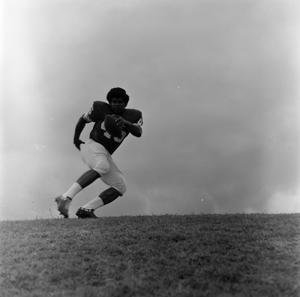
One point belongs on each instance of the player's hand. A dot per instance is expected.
(120, 122)
(77, 143)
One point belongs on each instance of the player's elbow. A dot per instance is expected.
(81, 122)
(139, 132)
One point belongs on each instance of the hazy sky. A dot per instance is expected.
(217, 81)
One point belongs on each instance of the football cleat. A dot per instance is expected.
(83, 213)
(63, 205)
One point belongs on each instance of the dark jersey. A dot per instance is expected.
(97, 114)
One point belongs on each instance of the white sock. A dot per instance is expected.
(94, 204)
(73, 190)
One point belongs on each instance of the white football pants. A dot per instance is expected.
(99, 159)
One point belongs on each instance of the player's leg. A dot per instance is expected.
(116, 180)
(63, 201)
(83, 181)
(107, 196)
(95, 158)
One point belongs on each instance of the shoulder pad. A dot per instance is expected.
(98, 111)
(100, 105)
(134, 115)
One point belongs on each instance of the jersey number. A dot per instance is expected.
(109, 136)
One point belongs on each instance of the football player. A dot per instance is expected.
(97, 152)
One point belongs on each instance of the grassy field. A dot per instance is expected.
(196, 255)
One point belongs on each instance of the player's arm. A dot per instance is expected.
(134, 128)
(83, 120)
(78, 129)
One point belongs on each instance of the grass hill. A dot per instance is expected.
(178, 256)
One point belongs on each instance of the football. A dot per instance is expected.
(111, 126)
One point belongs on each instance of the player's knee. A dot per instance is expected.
(102, 167)
(121, 188)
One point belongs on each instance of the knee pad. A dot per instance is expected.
(102, 167)
(121, 188)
